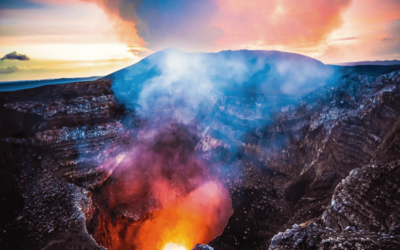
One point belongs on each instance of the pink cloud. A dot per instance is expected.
(295, 23)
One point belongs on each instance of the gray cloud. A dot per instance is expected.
(183, 24)
(9, 70)
(19, 4)
(15, 56)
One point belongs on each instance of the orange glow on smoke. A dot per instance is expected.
(162, 197)
(191, 220)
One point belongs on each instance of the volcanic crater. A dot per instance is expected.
(92, 165)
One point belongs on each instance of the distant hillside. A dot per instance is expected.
(369, 70)
(381, 63)
(18, 85)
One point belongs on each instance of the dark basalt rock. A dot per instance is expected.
(363, 214)
(202, 247)
(368, 199)
(325, 162)
(305, 153)
(313, 236)
(48, 138)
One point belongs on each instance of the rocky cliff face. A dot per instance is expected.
(54, 140)
(325, 162)
(308, 150)
(362, 214)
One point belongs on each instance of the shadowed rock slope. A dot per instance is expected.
(308, 150)
(54, 140)
(363, 214)
(325, 162)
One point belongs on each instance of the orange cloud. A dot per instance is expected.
(325, 29)
(124, 28)
(376, 24)
(295, 23)
(127, 32)
(226, 24)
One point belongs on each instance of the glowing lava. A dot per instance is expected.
(173, 246)
(196, 218)
(162, 197)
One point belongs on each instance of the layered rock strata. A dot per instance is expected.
(325, 162)
(288, 171)
(57, 143)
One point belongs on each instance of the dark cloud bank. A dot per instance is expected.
(15, 56)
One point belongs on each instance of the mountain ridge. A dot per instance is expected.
(378, 62)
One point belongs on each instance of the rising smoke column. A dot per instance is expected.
(180, 96)
(186, 86)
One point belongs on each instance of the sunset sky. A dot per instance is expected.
(77, 38)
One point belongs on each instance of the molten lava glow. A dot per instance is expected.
(172, 246)
(196, 218)
(163, 197)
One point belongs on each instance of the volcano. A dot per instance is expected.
(230, 150)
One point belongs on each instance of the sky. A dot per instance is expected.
(42, 39)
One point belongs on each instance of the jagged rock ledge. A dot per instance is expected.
(321, 159)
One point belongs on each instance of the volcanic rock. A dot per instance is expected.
(202, 247)
(363, 213)
(48, 139)
(321, 168)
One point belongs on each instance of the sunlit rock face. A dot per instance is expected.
(103, 163)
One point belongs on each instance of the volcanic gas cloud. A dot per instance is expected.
(161, 196)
